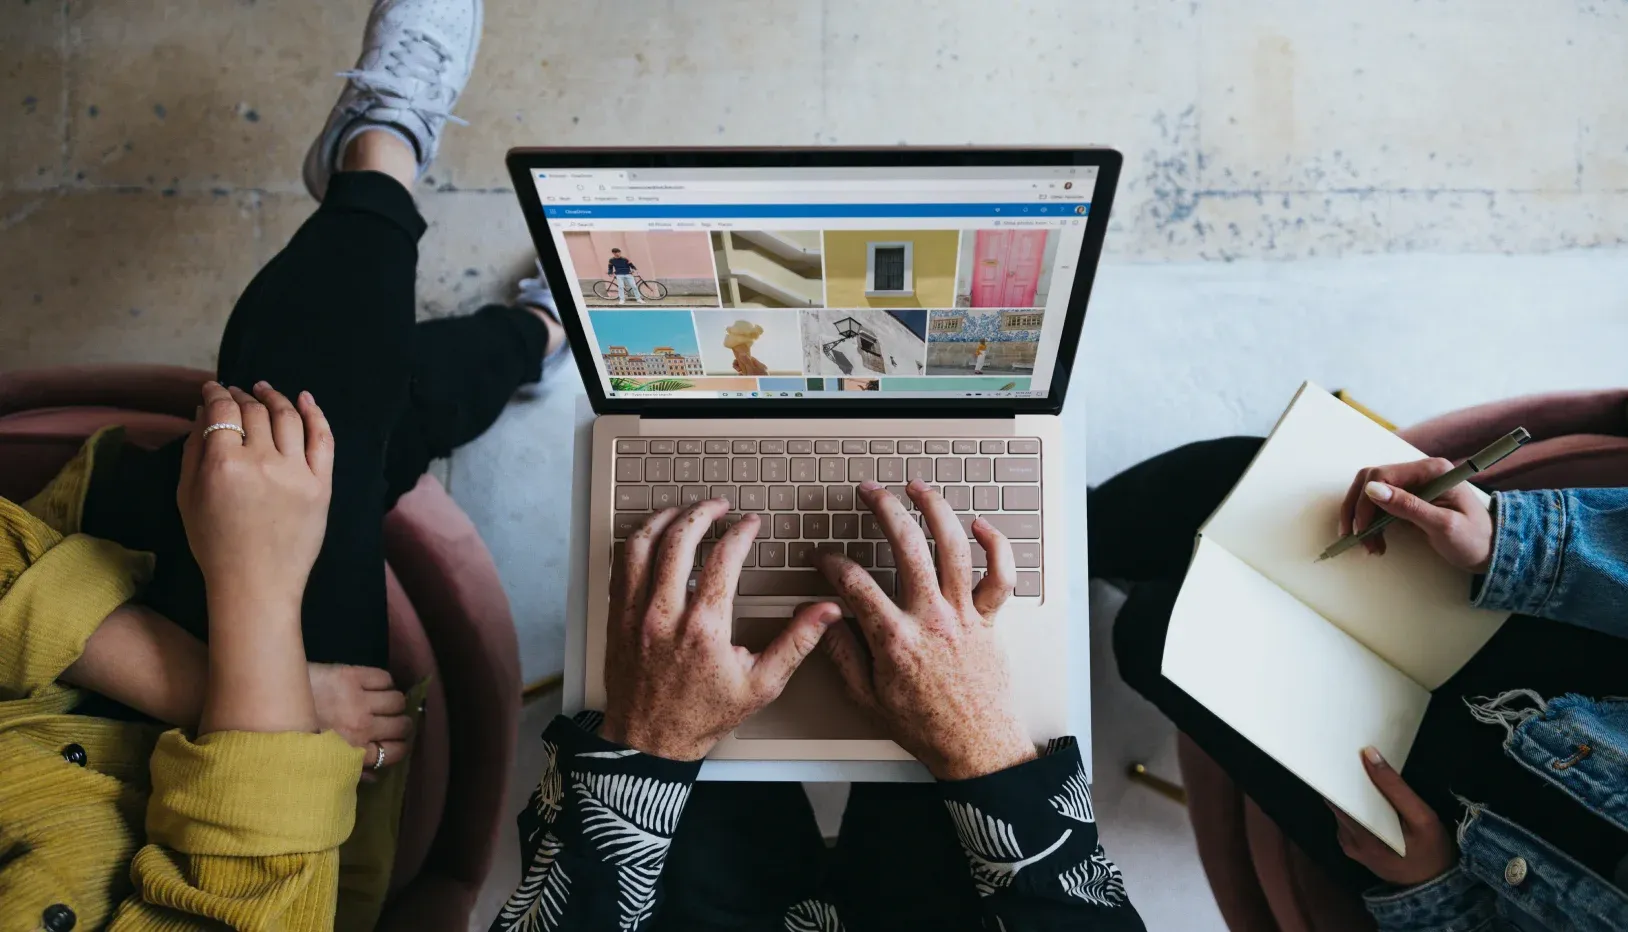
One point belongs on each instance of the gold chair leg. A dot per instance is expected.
(1139, 773)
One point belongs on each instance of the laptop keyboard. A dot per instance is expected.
(806, 493)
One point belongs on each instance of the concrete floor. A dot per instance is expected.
(1424, 202)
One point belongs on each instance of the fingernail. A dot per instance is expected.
(1373, 757)
(870, 485)
(211, 382)
(1378, 491)
(261, 384)
(306, 397)
(981, 524)
(918, 485)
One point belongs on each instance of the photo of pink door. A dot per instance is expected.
(1007, 266)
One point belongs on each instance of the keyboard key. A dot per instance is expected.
(661, 446)
(948, 468)
(663, 496)
(869, 529)
(715, 469)
(744, 446)
(937, 447)
(691, 494)
(799, 446)
(658, 469)
(910, 446)
(966, 523)
(903, 495)
(1021, 498)
(754, 498)
(625, 523)
(786, 527)
(839, 498)
(1016, 527)
(745, 469)
(959, 496)
(687, 469)
(812, 583)
(704, 551)
(1026, 552)
(817, 527)
(629, 469)
(805, 469)
(977, 577)
(890, 469)
(832, 469)
(965, 446)
(861, 468)
(725, 492)
(992, 446)
(881, 446)
(717, 446)
(771, 446)
(721, 526)
(845, 526)
(884, 553)
(986, 498)
(979, 558)
(799, 553)
(810, 498)
(862, 552)
(774, 468)
(1017, 469)
(630, 446)
(632, 498)
(980, 469)
(827, 446)
(751, 556)
(918, 467)
(771, 553)
(1028, 584)
(689, 446)
(1023, 446)
(782, 498)
(854, 446)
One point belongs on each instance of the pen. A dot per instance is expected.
(1438, 486)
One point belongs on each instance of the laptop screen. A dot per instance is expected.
(817, 282)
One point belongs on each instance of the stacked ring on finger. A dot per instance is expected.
(378, 761)
(226, 425)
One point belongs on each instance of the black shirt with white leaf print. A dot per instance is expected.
(595, 836)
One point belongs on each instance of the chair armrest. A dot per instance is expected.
(1557, 414)
(157, 389)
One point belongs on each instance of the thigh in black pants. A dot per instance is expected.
(333, 314)
(1141, 527)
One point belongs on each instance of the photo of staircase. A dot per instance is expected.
(761, 268)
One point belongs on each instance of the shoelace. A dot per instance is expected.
(418, 57)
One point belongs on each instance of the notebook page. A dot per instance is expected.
(1295, 686)
(1409, 606)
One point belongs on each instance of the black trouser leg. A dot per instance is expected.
(744, 853)
(332, 314)
(898, 864)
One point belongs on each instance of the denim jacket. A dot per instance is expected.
(1561, 555)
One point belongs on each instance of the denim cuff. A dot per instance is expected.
(1453, 902)
(1529, 539)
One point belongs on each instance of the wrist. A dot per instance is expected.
(619, 729)
(984, 760)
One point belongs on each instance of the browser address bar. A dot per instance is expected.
(794, 186)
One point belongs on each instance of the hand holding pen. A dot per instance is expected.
(1452, 517)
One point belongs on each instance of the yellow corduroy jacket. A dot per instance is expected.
(107, 824)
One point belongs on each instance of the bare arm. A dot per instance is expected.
(144, 660)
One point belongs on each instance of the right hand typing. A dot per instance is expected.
(929, 665)
(1457, 525)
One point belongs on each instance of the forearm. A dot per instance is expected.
(144, 660)
(258, 679)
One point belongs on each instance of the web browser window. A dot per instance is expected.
(817, 282)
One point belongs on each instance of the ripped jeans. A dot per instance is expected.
(1141, 529)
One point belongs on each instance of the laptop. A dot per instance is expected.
(775, 326)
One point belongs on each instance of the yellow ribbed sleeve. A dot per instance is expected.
(243, 829)
(54, 592)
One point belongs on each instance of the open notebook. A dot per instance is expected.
(1314, 661)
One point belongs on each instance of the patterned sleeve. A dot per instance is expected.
(595, 834)
(1030, 837)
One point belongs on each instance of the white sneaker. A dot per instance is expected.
(416, 59)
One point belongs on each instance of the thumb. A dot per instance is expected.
(1408, 507)
(1412, 808)
(773, 668)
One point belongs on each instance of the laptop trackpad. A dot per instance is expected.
(814, 705)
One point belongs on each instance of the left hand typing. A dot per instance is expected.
(1431, 851)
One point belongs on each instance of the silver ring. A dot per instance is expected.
(378, 762)
(225, 425)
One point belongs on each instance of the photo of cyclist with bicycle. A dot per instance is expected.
(663, 268)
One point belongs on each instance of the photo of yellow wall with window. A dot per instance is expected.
(890, 268)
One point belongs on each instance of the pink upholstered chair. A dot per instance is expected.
(1261, 881)
(449, 619)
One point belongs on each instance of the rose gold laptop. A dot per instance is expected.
(775, 326)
